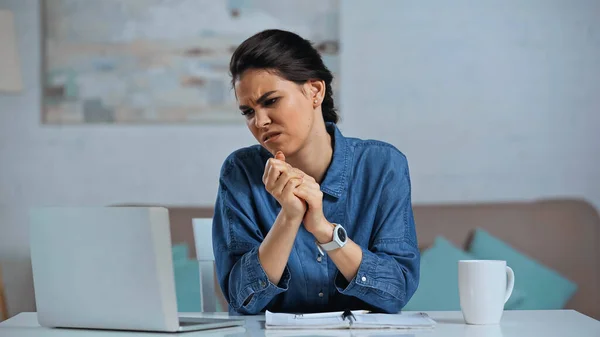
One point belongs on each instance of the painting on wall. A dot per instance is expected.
(11, 79)
(162, 61)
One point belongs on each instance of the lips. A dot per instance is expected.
(270, 137)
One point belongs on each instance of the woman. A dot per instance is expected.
(308, 220)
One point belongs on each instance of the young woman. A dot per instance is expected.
(308, 220)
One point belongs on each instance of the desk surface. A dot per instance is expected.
(449, 324)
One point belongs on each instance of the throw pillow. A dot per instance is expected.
(545, 288)
(438, 282)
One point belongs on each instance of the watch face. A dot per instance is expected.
(342, 234)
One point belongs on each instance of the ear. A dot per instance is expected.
(316, 90)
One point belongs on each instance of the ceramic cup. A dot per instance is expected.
(484, 286)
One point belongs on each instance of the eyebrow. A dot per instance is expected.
(260, 100)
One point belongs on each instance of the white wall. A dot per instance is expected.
(489, 99)
(494, 100)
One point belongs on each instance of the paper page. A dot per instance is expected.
(311, 332)
(327, 320)
(10, 67)
(408, 320)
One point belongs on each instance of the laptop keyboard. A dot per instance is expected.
(187, 323)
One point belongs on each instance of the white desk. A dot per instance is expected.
(450, 324)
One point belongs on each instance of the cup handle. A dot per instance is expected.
(510, 283)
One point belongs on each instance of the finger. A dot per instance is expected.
(299, 171)
(279, 174)
(274, 165)
(302, 192)
(310, 192)
(279, 155)
(283, 180)
(275, 170)
(268, 165)
(280, 158)
(311, 185)
(266, 173)
(308, 177)
(271, 162)
(291, 186)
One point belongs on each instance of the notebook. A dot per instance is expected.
(357, 319)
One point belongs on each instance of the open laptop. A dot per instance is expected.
(108, 268)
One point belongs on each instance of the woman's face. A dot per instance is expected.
(279, 113)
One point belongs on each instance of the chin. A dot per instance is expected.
(273, 149)
(288, 151)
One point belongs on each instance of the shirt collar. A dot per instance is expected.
(336, 175)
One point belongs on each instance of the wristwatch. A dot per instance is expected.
(339, 240)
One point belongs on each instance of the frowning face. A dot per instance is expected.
(279, 113)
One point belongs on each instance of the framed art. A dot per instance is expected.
(162, 61)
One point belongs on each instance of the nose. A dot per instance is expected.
(261, 118)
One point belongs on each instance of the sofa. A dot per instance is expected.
(560, 234)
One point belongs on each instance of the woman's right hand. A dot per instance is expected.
(280, 180)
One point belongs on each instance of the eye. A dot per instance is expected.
(248, 112)
(271, 101)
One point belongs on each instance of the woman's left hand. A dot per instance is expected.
(314, 219)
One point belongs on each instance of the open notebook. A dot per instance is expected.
(348, 320)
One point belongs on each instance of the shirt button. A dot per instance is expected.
(263, 283)
(319, 258)
(321, 294)
(364, 279)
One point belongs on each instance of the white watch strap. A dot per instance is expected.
(329, 246)
(334, 244)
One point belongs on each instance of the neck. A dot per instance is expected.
(314, 158)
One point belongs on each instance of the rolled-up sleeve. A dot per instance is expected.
(236, 239)
(388, 274)
(249, 287)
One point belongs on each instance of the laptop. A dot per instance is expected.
(108, 268)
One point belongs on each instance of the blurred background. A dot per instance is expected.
(496, 105)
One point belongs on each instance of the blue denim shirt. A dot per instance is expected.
(366, 189)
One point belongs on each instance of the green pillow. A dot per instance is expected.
(438, 283)
(545, 288)
(187, 285)
(187, 280)
(179, 251)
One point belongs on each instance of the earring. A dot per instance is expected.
(315, 101)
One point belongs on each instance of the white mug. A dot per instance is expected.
(484, 286)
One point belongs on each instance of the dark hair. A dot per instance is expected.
(287, 55)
